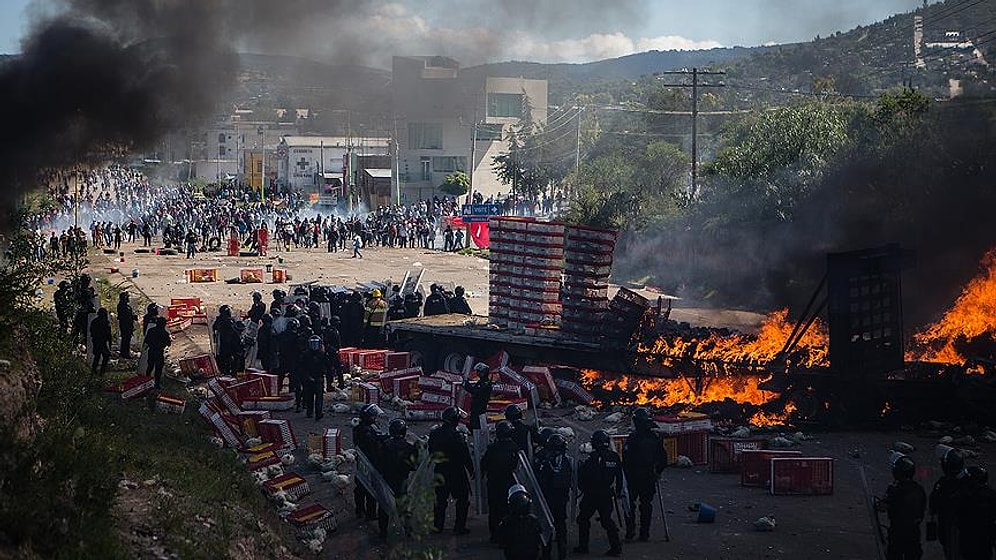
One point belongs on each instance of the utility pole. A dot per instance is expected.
(695, 85)
(577, 149)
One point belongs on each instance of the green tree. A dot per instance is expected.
(456, 184)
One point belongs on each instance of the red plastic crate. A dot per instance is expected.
(755, 465)
(371, 360)
(801, 476)
(695, 446)
(725, 452)
(397, 360)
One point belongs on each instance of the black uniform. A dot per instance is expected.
(458, 304)
(287, 347)
(599, 478)
(906, 502)
(100, 336)
(126, 325)
(454, 470)
(554, 473)
(524, 435)
(157, 339)
(480, 394)
(368, 438)
(332, 342)
(397, 459)
(943, 504)
(64, 305)
(413, 305)
(266, 344)
(498, 468)
(257, 311)
(228, 345)
(519, 535)
(435, 304)
(976, 518)
(644, 458)
(315, 367)
(352, 321)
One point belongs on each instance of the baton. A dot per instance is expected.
(660, 500)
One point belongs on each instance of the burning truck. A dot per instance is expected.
(845, 358)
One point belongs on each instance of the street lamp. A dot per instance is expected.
(262, 157)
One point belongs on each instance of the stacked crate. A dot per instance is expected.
(526, 260)
(625, 312)
(587, 264)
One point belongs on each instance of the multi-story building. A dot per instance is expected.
(308, 163)
(447, 121)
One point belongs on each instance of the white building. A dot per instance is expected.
(436, 108)
(309, 162)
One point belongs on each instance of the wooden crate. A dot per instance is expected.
(802, 476)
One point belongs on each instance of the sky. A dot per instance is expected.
(476, 31)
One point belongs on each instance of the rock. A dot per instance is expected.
(964, 440)
(765, 524)
(782, 442)
(615, 417)
(584, 413)
(989, 436)
(946, 440)
(683, 462)
(903, 447)
(741, 432)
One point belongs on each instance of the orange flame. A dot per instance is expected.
(973, 315)
(760, 349)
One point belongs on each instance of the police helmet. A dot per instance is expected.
(305, 321)
(513, 413)
(292, 311)
(504, 430)
(256, 296)
(293, 324)
(315, 342)
(557, 442)
(458, 291)
(952, 463)
(64, 284)
(600, 439)
(306, 332)
(482, 369)
(152, 308)
(279, 294)
(370, 412)
(225, 311)
(903, 468)
(335, 321)
(451, 416)
(124, 295)
(977, 474)
(642, 418)
(397, 428)
(543, 437)
(520, 503)
(240, 325)
(516, 489)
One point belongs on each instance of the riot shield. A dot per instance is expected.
(424, 473)
(370, 478)
(524, 475)
(89, 337)
(624, 498)
(480, 445)
(252, 330)
(143, 358)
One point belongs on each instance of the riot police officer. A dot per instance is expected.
(229, 341)
(480, 394)
(287, 352)
(100, 337)
(397, 459)
(905, 501)
(454, 469)
(258, 308)
(599, 481)
(332, 342)
(943, 502)
(498, 469)
(644, 458)
(523, 434)
(64, 304)
(435, 304)
(520, 531)
(315, 367)
(368, 438)
(555, 475)
(126, 324)
(976, 516)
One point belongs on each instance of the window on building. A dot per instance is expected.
(489, 133)
(221, 138)
(425, 136)
(426, 169)
(221, 151)
(505, 105)
(449, 164)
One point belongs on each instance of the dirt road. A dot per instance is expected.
(833, 527)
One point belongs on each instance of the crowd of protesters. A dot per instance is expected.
(109, 206)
